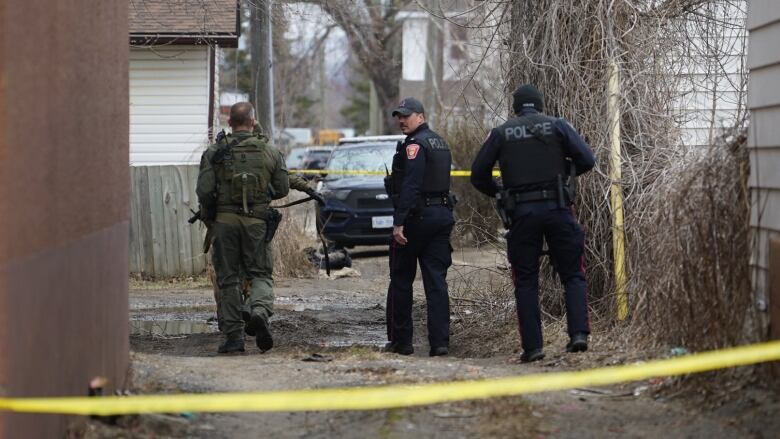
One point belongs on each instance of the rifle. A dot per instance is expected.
(198, 216)
(320, 226)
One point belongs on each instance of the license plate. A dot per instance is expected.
(382, 222)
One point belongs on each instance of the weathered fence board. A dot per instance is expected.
(162, 243)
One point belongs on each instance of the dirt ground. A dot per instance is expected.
(174, 350)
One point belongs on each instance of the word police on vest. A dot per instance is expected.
(523, 132)
(437, 143)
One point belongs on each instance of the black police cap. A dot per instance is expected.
(409, 106)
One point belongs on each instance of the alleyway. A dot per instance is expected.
(343, 321)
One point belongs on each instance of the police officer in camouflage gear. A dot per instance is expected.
(297, 183)
(239, 176)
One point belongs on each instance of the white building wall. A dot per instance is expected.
(169, 104)
(415, 37)
(712, 75)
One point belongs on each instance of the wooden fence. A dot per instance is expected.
(162, 243)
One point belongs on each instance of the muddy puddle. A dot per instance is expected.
(295, 323)
(309, 317)
(171, 327)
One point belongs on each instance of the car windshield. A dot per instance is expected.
(295, 158)
(318, 155)
(374, 157)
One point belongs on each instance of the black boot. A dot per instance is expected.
(399, 348)
(439, 351)
(233, 343)
(531, 356)
(246, 316)
(578, 343)
(262, 332)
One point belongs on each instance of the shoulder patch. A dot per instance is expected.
(412, 150)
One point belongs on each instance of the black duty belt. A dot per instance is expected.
(435, 199)
(525, 197)
(262, 211)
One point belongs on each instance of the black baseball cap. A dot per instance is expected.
(409, 106)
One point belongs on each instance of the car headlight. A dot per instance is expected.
(341, 195)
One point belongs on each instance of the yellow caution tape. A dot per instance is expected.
(386, 397)
(454, 173)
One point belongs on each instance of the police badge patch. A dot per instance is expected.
(412, 150)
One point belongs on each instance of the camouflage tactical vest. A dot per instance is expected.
(243, 174)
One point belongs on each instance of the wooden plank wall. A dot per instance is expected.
(764, 140)
(162, 243)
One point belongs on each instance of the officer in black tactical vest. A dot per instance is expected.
(239, 176)
(539, 157)
(422, 223)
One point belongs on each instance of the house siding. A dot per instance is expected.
(764, 138)
(169, 104)
(711, 79)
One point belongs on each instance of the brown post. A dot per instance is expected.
(64, 191)
(774, 288)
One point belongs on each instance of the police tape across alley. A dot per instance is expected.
(396, 396)
(454, 173)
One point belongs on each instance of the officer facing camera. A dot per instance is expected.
(422, 223)
(539, 157)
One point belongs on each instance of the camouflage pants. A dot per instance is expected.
(240, 252)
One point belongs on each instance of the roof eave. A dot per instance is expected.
(160, 39)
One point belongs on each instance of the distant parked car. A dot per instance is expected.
(357, 209)
(309, 157)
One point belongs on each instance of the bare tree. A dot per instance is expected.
(372, 29)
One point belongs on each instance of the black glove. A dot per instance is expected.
(317, 196)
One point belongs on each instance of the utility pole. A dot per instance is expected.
(261, 46)
(323, 89)
(433, 64)
(376, 116)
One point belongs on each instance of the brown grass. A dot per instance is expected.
(692, 283)
(289, 242)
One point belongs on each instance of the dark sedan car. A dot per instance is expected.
(358, 211)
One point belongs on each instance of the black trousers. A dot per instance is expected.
(428, 235)
(566, 243)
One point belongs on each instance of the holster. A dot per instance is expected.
(571, 183)
(505, 206)
(272, 222)
(208, 239)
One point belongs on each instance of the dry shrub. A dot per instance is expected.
(691, 273)
(483, 305)
(476, 221)
(289, 242)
